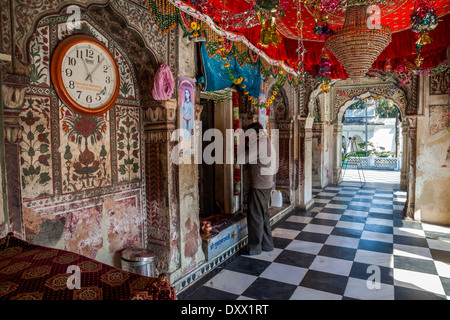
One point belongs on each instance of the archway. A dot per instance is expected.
(328, 126)
(371, 140)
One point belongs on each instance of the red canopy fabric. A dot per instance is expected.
(396, 15)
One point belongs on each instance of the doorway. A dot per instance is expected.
(207, 172)
(372, 142)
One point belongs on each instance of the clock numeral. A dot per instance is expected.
(105, 68)
(89, 53)
(89, 99)
(72, 61)
(71, 84)
(80, 54)
(98, 97)
(79, 94)
(108, 79)
(68, 72)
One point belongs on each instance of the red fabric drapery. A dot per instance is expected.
(401, 49)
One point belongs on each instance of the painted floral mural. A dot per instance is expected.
(83, 173)
(35, 158)
(40, 57)
(86, 163)
(128, 143)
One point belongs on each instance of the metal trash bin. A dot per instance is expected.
(139, 261)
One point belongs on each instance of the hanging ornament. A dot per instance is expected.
(423, 20)
(325, 71)
(320, 11)
(268, 13)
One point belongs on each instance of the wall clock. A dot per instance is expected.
(85, 75)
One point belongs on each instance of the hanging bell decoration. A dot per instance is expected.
(268, 13)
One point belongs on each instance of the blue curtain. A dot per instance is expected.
(215, 76)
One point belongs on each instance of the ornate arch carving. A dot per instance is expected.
(342, 95)
(26, 17)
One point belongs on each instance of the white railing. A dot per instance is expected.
(373, 163)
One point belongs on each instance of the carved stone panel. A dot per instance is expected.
(439, 83)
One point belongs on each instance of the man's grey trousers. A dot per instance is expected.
(259, 230)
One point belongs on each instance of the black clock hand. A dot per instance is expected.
(95, 68)
(86, 68)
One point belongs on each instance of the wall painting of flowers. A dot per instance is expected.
(85, 151)
(128, 143)
(35, 149)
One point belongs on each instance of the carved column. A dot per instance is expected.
(410, 205)
(318, 154)
(283, 179)
(337, 159)
(13, 97)
(161, 187)
(304, 193)
(404, 169)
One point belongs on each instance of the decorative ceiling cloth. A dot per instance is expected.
(395, 14)
(32, 272)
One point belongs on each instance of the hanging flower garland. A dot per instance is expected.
(165, 14)
(423, 20)
(324, 71)
(255, 101)
(239, 81)
(190, 25)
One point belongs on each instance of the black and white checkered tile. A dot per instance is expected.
(352, 244)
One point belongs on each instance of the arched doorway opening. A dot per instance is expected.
(372, 143)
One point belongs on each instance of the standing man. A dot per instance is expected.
(261, 158)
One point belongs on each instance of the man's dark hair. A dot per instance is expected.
(256, 126)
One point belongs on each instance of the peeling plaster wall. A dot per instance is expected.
(189, 238)
(95, 213)
(432, 202)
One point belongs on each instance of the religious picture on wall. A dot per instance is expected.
(262, 117)
(187, 103)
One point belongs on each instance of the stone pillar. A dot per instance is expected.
(410, 203)
(223, 120)
(13, 97)
(318, 154)
(284, 176)
(163, 220)
(304, 193)
(404, 159)
(337, 159)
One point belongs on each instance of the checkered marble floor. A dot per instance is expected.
(371, 176)
(352, 240)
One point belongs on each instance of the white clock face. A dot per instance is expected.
(88, 74)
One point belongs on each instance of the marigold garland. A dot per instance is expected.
(238, 81)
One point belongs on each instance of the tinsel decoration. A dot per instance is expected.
(324, 71)
(423, 20)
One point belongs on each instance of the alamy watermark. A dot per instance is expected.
(74, 281)
(74, 20)
(253, 147)
(374, 280)
(374, 20)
